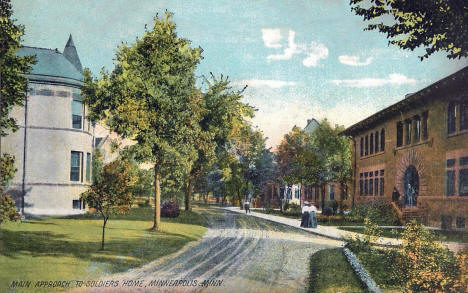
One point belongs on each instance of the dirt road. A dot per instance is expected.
(237, 254)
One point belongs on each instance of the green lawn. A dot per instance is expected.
(330, 272)
(452, 236)
(68, 248)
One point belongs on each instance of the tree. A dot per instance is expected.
(222, 115)
(110, 194)
(150, 98)
(436, 25)
(13, 83)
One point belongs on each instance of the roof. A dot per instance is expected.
(458, 80)
(312, 124)
(51, 66)
(70, 53)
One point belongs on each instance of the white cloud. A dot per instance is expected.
(271, 37)
(316, 51)
(291, 50)
(354, 60)
(274, 84)
(392, 79)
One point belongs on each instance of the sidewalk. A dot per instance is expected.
(332, 231)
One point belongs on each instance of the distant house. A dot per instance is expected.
(419, 147)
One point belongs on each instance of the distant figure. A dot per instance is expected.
(305, 215)
(247, 206)
(395, 195)
(312, 217)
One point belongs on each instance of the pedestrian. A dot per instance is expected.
(395, 195)
(305, 215)
(247, 206)
(312, 217)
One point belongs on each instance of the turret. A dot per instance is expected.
(70, 53)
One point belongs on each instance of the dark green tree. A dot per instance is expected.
(436, 25)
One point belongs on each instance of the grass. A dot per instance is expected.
(322, 220)
(451, 236)
(330, 272)
(68, 248)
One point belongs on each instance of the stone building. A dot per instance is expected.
(417, 151)
(54, 145)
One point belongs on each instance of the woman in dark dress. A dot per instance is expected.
(305, 220)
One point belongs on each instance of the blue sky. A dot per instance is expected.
(301, 59)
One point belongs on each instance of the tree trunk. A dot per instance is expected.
(341, 198)
(188, 192)
(103, 232)
(322, 197)
(157, 201)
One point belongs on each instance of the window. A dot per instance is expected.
(371, 150)
(399, 138)
(407, 132)
(367, 146)
(376, 186)
(464, 115)
(88, 167)
(366, 181)
(361, 185)
(463, 161)
(450, 163)
(76, 163)
(417, 128)
(76, 204)
(451, 117)
(382, 140)
(44, 92)
(425, 134)
(371, 186)
(445, 222)
(382, 186)
(296, 192)
(450, 182)
(463, 179)
(331, 192)
(361, 146)
(460, 223)
(376, 141)
(77, 114)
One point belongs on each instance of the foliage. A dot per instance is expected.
(111, 194)
(331, 206)
(424, 264)
(436, 25)
(380, 211)
(292, 209)
(170, 209)
(327, 211)
(150, 97)
(13, 68)
(7, 209)
(7, 170)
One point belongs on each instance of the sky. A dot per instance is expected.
(300, 59)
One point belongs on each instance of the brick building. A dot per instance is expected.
(418, 147)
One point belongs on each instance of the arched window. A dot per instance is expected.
(361, 146)
(382, 140)
(376, 141)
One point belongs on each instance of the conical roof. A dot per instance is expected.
(70, 53)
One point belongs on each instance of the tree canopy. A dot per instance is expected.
(436, 25)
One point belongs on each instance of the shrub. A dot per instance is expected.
(327, 211)
(170, 209)
(293, 210)
(424, 264)
(144, 204)
(332, 205)
(8, 209)
(381, 212)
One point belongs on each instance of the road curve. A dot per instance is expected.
(238, 253)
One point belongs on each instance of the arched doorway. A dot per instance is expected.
(411, 186)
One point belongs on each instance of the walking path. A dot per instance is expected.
(333, 232)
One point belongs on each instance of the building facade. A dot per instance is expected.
(415, 154)
(53, 147)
